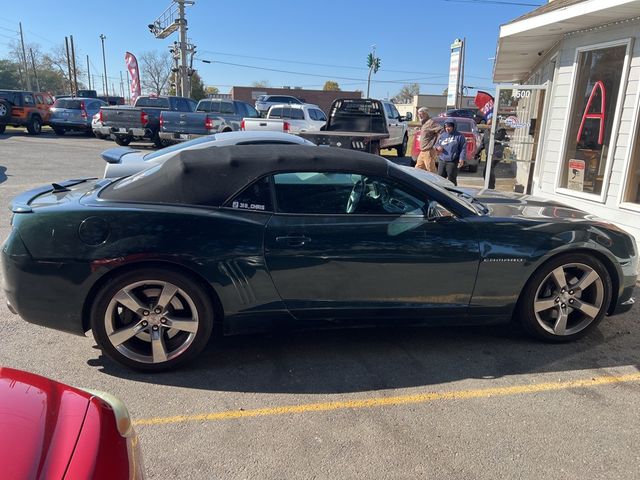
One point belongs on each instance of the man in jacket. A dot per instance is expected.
(428, 136)
(452, 149)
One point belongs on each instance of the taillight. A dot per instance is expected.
(83, 114)
(144, 118)
(208, 123)
(100, 117)
(161, 121)
(242, 125)
(285, 126)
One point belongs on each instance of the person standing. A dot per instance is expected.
(428, 137)
(452, 150)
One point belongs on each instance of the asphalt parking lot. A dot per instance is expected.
(459, 403)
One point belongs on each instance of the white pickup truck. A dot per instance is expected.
(291, 118)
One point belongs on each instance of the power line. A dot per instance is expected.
(9, 30)
(324, 64)
(495, 2)
(41, 37)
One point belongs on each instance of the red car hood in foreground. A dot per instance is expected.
(50, 430)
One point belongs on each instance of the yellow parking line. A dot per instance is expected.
(392, 401)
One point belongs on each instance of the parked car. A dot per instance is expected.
(142, 121)
(74, 114)
(465, 113)
(471, 134)
(54, 431)
(294, 118)
(258, 236)
(127, 161)
(363, 124)
(211, 116)
(264, 102)
(20, 108)
(96, 126)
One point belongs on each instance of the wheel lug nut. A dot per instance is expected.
(571, 300)
(564, 305)
(155, 328)
(145, 323)
(557, 299)
(158, 310)
(163, 320)
(571, 292)
(145, 312)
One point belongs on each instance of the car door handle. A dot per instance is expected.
(294, 240)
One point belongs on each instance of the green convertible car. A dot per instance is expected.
(249, 237)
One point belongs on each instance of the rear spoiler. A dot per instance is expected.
(20, 204)
(113, 155)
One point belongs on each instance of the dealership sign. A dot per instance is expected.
(454, 73)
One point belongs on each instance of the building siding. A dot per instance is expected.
(551, 154)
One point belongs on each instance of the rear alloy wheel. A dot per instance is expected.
(59, 131)
(402, 149)
(123, 141)
(152, 319)
(5, 110)
(34, 127)
(566, 298)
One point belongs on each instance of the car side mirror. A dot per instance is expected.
(437, 213)
(407, 118)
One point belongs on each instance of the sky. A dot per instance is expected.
(285, 42)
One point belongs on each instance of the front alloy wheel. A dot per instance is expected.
(566, 298)
(152, 320)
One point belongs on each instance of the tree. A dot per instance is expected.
(331, 86)
(197, 87)
(9, 75)
(155, 71)
(407, 93)
(211, 91)
(261, 84)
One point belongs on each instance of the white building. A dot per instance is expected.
(587, 150)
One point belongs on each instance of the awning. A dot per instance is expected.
(522, 42)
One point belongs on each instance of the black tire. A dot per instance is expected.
(123, 141)
(99, 136)
(59, 131)
(5, 110)
(2, 129)
(560, 316)
(402, 148)
(159, 142)
(187, 304)
(34, 126)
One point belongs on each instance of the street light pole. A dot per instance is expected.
(104, 62)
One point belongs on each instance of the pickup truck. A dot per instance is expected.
(142, 121)
(359, 124)
(211, 116)
(290, 118)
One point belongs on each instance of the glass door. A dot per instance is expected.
(516, 128)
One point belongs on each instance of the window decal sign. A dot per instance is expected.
(597, 115)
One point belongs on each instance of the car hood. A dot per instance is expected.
(506, 204)
(40, 421)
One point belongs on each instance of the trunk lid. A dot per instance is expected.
(54, 194)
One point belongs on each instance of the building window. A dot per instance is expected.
(632, 190)
(595, 99)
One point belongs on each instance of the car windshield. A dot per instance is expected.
(179, 146)
(68, 103)
(460, 126)
(445, 187)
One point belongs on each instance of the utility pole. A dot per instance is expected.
(24, 60)
(104, 62)
(35, 73)
(185, 79)
(73, 66)
(121, 85)
(88, 72)
(66, 42)
(463, 53)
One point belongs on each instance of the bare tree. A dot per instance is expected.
(407, 93)
(155, 71)
(261, 84)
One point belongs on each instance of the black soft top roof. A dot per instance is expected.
(210, 176)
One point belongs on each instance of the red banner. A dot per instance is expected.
(132, 66)
(484, 102)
